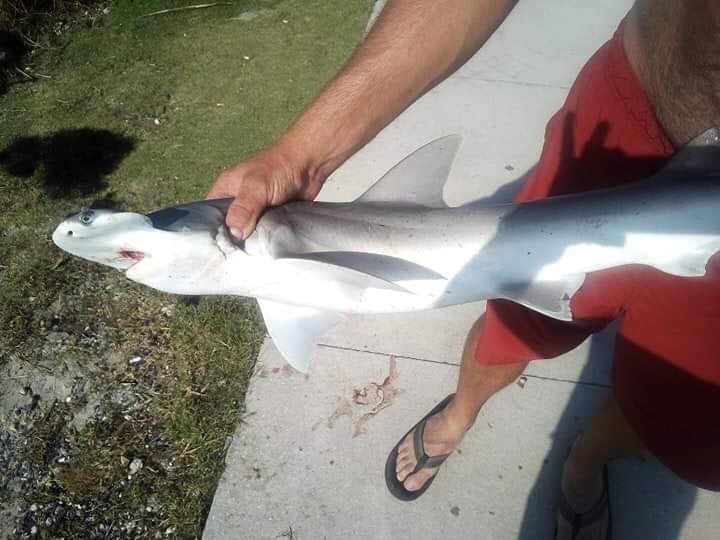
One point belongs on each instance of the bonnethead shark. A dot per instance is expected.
(399, 247)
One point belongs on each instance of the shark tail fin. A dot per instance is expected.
(418, 179)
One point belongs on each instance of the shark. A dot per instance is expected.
(399, 248)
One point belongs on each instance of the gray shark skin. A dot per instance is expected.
(400, 248)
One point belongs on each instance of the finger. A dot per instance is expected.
(218, 194)
(218, 191)
(242, 217)
(225, 185)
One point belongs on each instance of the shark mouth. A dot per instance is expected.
(130, 255)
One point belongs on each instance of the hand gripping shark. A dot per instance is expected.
(399, 247)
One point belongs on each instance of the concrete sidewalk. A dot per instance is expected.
(307, 462)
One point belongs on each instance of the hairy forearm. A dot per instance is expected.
(413, 45)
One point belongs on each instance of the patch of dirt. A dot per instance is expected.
(56, 403)
(105, 431)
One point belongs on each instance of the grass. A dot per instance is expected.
(139, 113)
(33, 16)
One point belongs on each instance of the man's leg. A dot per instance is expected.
(608, 436)
(444, 431)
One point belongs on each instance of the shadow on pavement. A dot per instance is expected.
(647, 500)
(69, 162)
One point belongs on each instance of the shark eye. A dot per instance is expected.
(86, 217)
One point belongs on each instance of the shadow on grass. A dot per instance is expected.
(71, 162)
(108, 201)
(12, 51)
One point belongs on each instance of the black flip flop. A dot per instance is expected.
(423, 460)
(595, 514)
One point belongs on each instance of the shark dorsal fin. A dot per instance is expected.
(418, 179)
(700, 154)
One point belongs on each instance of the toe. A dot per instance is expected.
(405, 457)
(410, 483)
(418, 480)
(404, 471)
(402, 462)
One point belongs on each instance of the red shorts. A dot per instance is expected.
(666, 371)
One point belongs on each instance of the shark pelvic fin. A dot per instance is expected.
(295, 330)
(700, 154)
(551, 298)
(418, 179)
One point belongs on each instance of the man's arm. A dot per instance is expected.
(413, 45)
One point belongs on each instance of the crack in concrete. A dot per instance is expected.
(430, 361)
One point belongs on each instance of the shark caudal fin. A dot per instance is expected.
(296, 329)
(418, 179)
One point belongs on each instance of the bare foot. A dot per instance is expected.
(443, 433)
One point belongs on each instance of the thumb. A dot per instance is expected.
(242, 217)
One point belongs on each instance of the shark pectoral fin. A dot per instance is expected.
(385, 267)
(296, 329)
(334, 273)
(419, 178)
(551, 298)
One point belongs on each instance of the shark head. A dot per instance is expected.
(103, 236)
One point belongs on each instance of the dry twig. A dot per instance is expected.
(185, 8)
(23, 73)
